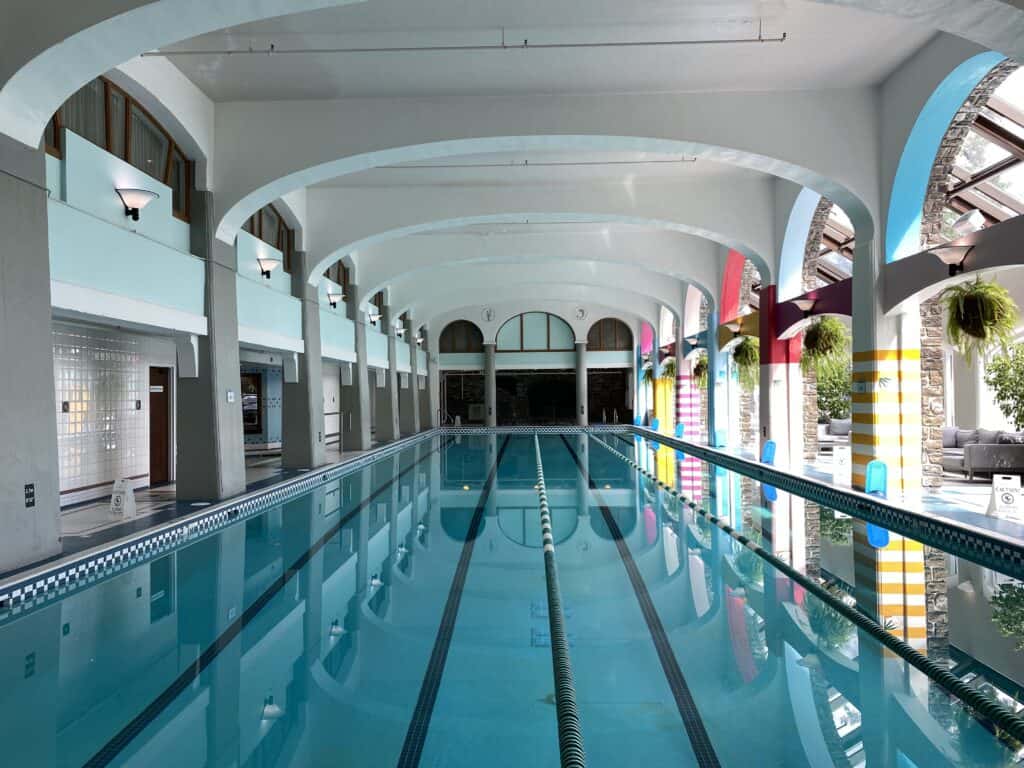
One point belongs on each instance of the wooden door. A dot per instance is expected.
(159, 425)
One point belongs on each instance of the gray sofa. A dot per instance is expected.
(985, 451)
(836, 432)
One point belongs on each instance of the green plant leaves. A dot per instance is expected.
(981, 315)
(1004, 375)
(747, 356)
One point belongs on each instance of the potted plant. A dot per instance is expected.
(824, 342)
(980, 315)
(700, 371)
(1008, 613)
(647, 372)
(1004, 374)
(668, 369)
(832, 628)
(747, 356)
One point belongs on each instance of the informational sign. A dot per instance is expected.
(1006, 498)
(842, 466)
(122, 499)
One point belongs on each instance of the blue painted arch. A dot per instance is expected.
(906, 204)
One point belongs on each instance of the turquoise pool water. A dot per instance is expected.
(399, 617)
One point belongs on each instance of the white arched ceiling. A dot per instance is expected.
(826, 140)
(669, 254)
(734, 213)
(412, 291)
(509, 301)
(995, 24)
(50, 51)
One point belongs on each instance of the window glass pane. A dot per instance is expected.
(148, 145)
(269, 224)
(1011, 183)
(594, 336)
(978, 153)
(50, 136)
(85, 114)
(179, 183)
(117, 107)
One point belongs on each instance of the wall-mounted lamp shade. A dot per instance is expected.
(399, 330)
(333, 297)
(268, 265)
(734, 326)
(745, 310)
(271, 711)
(692, 340)
(419, 339)
(952, 256)
(968, 222)
(374, 316)
(134, 200)
(805, 305)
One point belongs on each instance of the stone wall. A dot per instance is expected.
(749, 406)
(812, 251)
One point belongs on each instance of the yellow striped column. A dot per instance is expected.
(886, 412)
(890, 584)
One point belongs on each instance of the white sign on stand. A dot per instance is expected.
(842, 466)
(1006, 498)
(122, 499)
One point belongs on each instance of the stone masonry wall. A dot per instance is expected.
(810, 281)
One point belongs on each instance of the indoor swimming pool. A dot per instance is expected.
(399, 615)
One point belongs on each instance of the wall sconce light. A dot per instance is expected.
(134, 200)
(333, 297)
(692, 340)
(805, 305)
(374, 316)
(969, 222)
(400, 330)
(952, 256)
(267, 265)
(734, 326)
(419, 340)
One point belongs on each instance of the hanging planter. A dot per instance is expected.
(824, 341)
(981, 315)
(747, 356)
(647, 373)
(700, 371)
(668, 369)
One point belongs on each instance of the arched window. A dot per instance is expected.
(536, 332)
(979, 172)
(609, 335)
(269, 226)
(110, 118)
(461, 336)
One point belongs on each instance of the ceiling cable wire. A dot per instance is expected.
(273, 50)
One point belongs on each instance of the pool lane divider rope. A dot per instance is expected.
(416, 735)
(570, 736)
(983, 705)
(700, 742)
(113, 748)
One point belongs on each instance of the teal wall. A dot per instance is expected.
(91, 176)
(609, 359)
(263, 308)
(337, 333)
(376, 348)
(55, 177)
(421, 361)
(89, 252)
(507, 360)
(248, 248)
(462, 360)
(402, 355)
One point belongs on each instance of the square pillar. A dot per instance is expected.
(490, 386)
(355, 389)
(409, 406)
(302, 412)
(387, 398)
(582, 417)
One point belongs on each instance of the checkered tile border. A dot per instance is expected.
(26, 592)
(990, 549)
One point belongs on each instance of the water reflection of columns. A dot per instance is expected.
(491, 504)
(30, 695)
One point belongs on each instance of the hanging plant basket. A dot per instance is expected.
(668, 369)
(824, 341)
(700, 371)
(981, 315)
(647, 373)
(747, 356)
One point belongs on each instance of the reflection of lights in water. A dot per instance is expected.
(402, 550)
(607, 486)
(421, 528)
(375, 581)
(271, 711)
(336, 629)
(465, 487)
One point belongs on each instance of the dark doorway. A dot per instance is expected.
(608, 393)
(462, 395)
(159, 425)
(537, 397)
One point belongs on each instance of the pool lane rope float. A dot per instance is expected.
(570, 736)
(981, 704)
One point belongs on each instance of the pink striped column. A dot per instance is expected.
(688, 414)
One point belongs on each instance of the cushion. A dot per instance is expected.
(839, 427)
(966, 437)
(1011, 438)
(949, 437)
(988, 436)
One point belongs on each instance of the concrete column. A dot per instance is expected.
(387, 398)
(490, 386)
(716, 384)
(302, 412)
(409, 407)
(355, 394)
(211, 456)
(781, 389)
(433, 381)
(582, 417)
(29, 479)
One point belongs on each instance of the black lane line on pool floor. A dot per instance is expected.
(416, 736)
(123, 738)
(699, 739)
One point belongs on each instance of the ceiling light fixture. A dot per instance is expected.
(805, 305)
(953, 256)
(134, 200)
(333, 297)
(267, 265)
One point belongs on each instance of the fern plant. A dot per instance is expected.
(647, 373)
(668, 369)
(825, 341)
(832, 628)
(747, 356)
(981, 315)
(700, 371)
